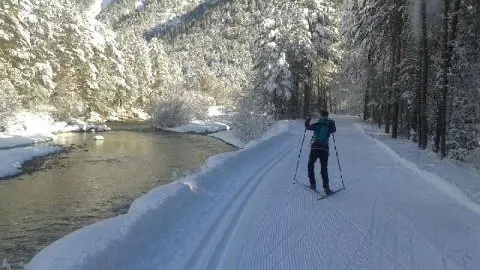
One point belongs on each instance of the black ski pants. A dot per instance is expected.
(323, 156)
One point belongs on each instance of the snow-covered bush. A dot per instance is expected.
(177, 108)
(28, 122)
(8, 102)
(251, 121)
(474, 158)
(5, 265)
(251, 126)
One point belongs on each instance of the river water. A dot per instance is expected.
(96, 180)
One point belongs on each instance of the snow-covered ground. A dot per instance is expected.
(13, 141)
(200, 127)
(27, 135)
(241, 211)
(229, 137)
(214, 123)
(463, 182)
(11, 160)
(216, 126)
(97, 6)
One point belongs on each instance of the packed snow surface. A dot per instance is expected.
(241, 211)
(462, 183)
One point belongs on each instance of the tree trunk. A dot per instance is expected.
(415, 120)
(452, 32)
(393, 58)
(442, 105)
(319, 93)
(367, 95)
(366, 100)
(398, 49)
(423, 126)
(307, 89)
(293, 106)
(449, 36)
(380, 116)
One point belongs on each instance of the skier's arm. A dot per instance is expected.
(332, 126)
(308, 126)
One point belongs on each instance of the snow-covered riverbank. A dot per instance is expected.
(241, 211)
(217, 126)
(29, 135)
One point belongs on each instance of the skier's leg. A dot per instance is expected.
(311, 166)
(324, 163)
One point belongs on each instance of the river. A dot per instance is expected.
(94, 181)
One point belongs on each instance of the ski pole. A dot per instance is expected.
(338, 160)
(299, 154)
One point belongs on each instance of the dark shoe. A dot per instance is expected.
(313, 186)
(328, 191)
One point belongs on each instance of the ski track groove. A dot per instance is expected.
(371, 251)
(207, 244)
(218, 257)
(258, 220)
(405, 222)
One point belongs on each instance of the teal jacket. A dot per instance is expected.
(321, 132)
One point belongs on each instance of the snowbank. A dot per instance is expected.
(27, 124)
(229, 137)
(216, 111)
(427, 167)
(216, 122)
(11, 160)
(24, 130)
(275, 130)
(74, 249)
(219, 111)
(120, 115)
(200, 127)
(13, 141)
(79, 126)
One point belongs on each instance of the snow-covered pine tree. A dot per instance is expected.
(400, 80)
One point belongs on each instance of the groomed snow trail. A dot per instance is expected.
(388, 218)
(252, 217)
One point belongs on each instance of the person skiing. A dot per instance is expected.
(319, 148)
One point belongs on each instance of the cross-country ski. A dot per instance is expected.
(324, 196)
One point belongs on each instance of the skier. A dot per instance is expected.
(319, 148)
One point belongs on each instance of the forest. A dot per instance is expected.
(409, 66)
